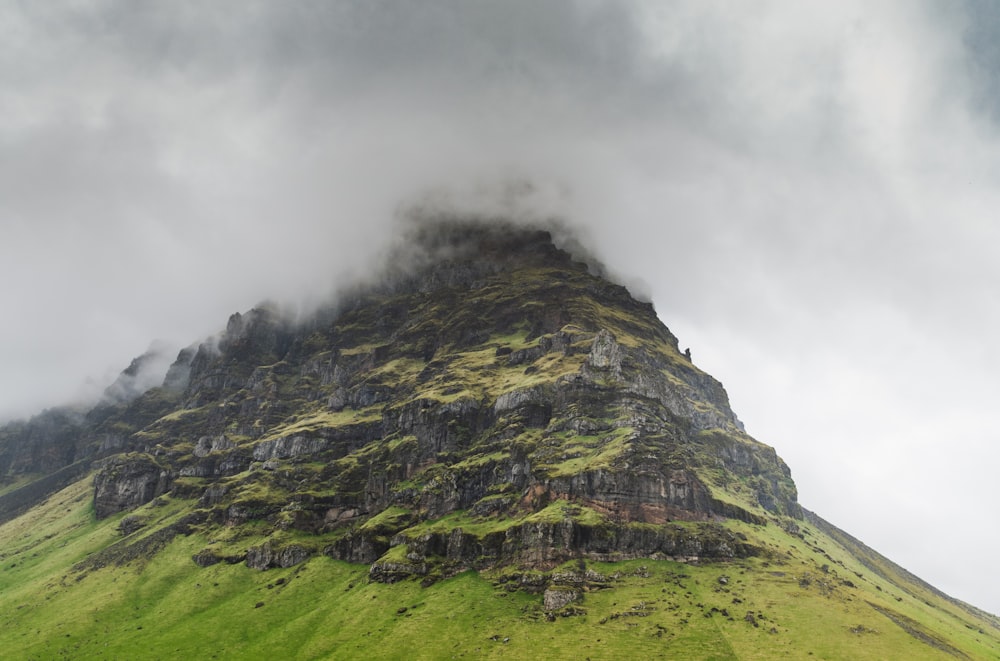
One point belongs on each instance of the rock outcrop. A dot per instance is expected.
(498, 381)
(127, 481)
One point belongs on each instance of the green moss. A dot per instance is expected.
(179, 414)
(514, 340)
(561, 510)
(395, 554)
(396, 370)
(321, 418)
(390, 519)
(479, 460)
(579, 454)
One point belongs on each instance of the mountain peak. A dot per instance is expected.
(490, 404)
(487, 347)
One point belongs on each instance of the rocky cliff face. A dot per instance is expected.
(493, 402)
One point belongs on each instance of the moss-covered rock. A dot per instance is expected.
(498, 378)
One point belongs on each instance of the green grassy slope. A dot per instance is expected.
(806, 596)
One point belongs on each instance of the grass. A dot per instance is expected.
(588, 453)
(391, 519)
(481, 374)
(169, 608)
(16, 482)
(479, 460)
(320, 418)
(178, 414)
(556, 511)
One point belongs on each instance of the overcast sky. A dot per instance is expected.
(807, 190)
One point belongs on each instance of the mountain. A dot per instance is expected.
(493, 450)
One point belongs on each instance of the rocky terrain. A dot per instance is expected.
(492, 404)
(496, 379)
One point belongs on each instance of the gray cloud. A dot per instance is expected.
(805, 190)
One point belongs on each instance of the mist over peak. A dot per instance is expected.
(144, 372)
(805, 192)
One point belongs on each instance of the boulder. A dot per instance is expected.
(555, 598)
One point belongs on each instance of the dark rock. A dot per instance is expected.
(179, 373)
(209, 444)
(358, 548)
(131, 524)
(393, 571)
(213, 495)
(497, 376)
(127, 481)
(267, 556)
(206, 558)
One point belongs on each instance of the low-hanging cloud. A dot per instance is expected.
(806, 190)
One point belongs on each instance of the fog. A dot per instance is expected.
(803, 189)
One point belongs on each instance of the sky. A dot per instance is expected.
(806, 190)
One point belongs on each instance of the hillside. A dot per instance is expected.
(492, 451)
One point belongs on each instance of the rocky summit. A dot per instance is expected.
(492, 404)
(500, 380)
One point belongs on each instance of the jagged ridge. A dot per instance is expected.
(497, 377)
